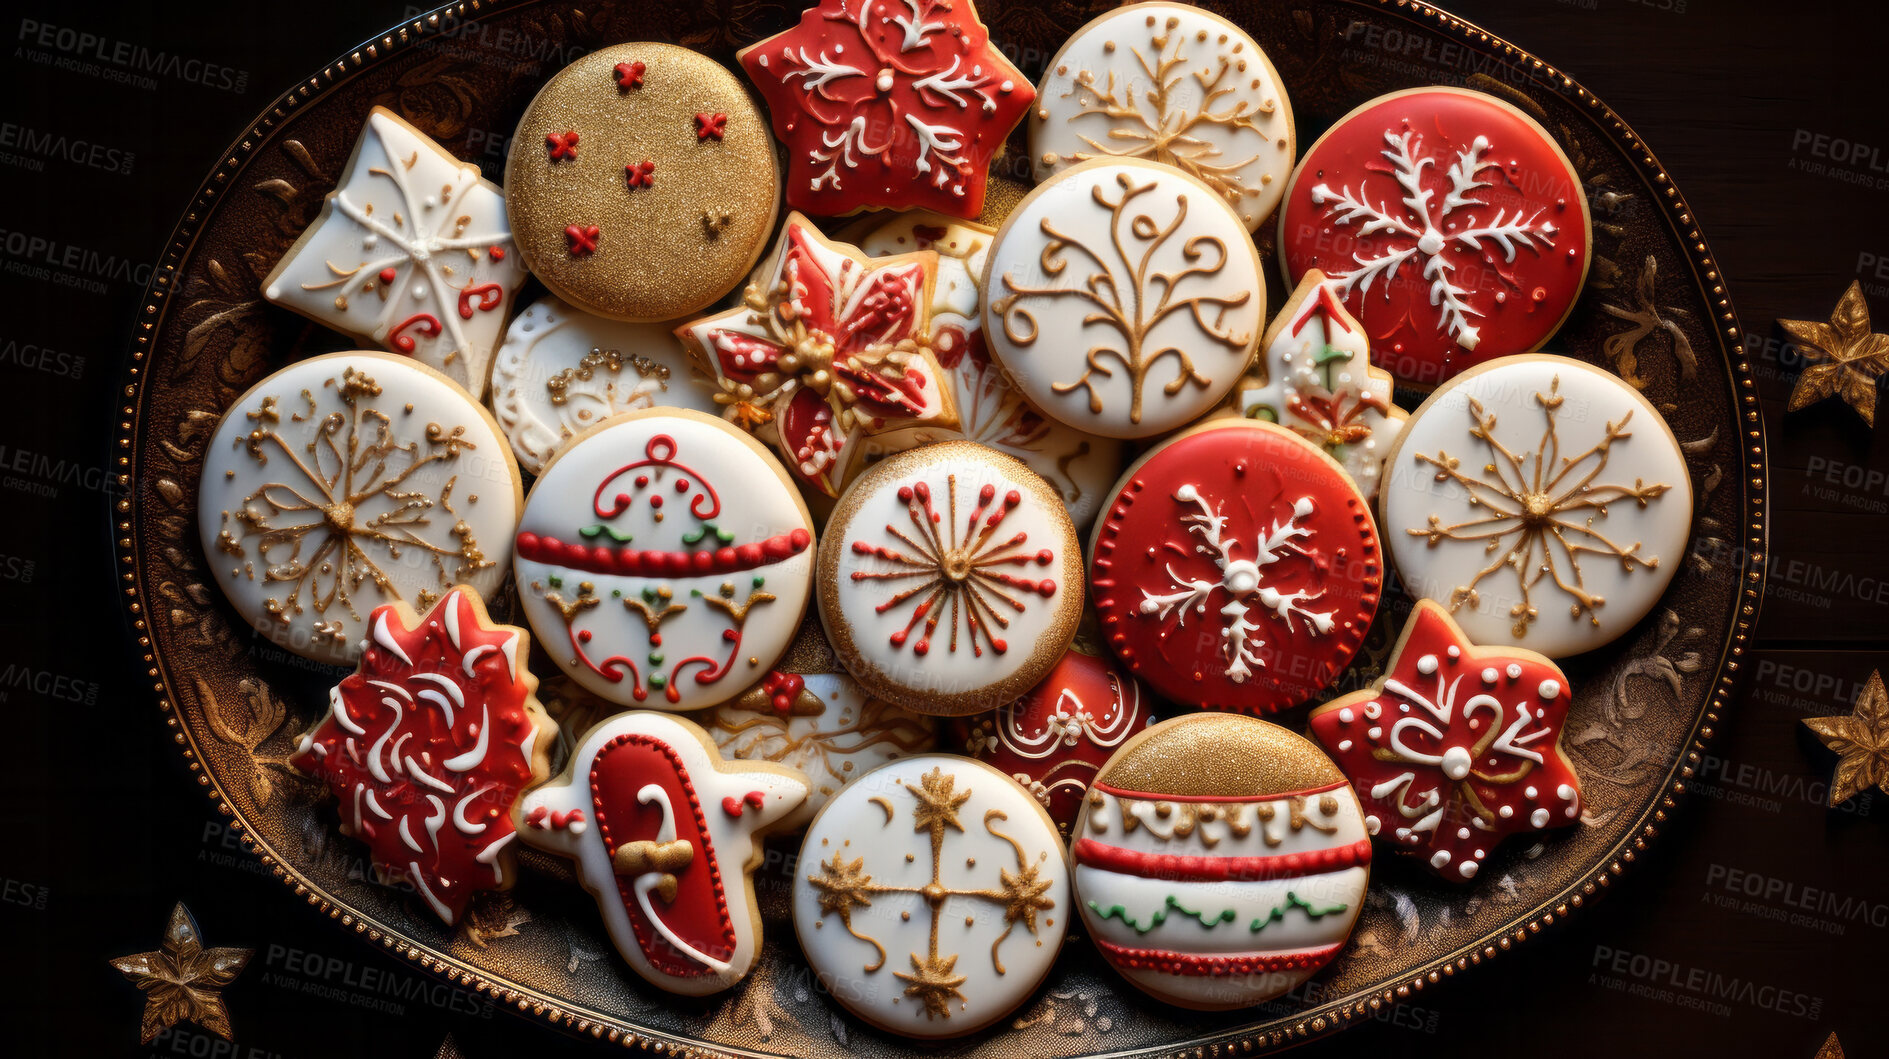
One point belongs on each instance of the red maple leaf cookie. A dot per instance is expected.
(429, 743)
(1457, 748)
(889, 103)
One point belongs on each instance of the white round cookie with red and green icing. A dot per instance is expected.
(1457, 748)
(347, 481)
(896, 104)
(1173, 84)
(664, 560)
(412, 252)
(826, 350)
(561, 371)
(664, 835)
(1124, 298)
(1219, 861)
(950, 579)
(1236, 568)
(931, 896)
(1452, 224)
(427, 745)
(1542, 500)
(991, 411)
(1316, 379)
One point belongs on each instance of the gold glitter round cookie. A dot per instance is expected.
(642, 183)
(950, 579)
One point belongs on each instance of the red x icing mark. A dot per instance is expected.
(582, 239)
(630, 75)
(562, 144)
(640, 174)
(710, 126)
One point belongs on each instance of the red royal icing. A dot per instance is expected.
(1462, 216)
(425, 323)
(1238, 568)
(629, 75)
(710, 126)
(1453, 752)
(1055, 738)
(1195, 868)
(1182, 963)
(483, 298)
(699, 913)
(640, 174)
(561, 145)
(890, 103)
(422, 752)
(582, 239)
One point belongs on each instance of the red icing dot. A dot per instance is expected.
(387, 275)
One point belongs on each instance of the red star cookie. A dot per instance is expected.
(893, 103)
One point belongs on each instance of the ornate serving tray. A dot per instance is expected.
(1655, 311)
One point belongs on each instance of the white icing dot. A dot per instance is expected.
(1372, 823)
(1456, 762)
(1564, 792)
(1344, 745)
(1550, 689)
(1426, 665)
(1539, 818)
(1372, 709)
(1462, 832)
(1376, 733)
(1515, 671)
(1489, 675)
(1441, 858)
(1505, 812)
(1468, 869)
(1529, 793)
(1455, 651)
(1345, 716)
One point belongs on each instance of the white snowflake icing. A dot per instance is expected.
(1430, 234)
(1242, 579)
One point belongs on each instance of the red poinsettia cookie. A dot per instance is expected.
(428, 745)
(888, 103)
(1457, 747)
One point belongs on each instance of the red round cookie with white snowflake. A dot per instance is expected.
(1236, 567)
(1053, 739)
(1450, 222)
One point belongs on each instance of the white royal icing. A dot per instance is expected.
(407, 209)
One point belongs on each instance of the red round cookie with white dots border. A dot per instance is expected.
(1451, 224)
(1236, 567)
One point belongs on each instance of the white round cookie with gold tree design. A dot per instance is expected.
(1542, 500)
(348, 481)
(932, 896)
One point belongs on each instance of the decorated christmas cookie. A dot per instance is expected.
(826, 350)
(1540, 499)
(1173, 84)
(663, 832)
(991, 411)
(1219, 861)
(1452, 225)
(642, 182)
(429, 743)
(1124, 298)
(348, 481)
(931, 896)
(664, 560)
(562, 371)
(888, 103)
(1054, 738)
(411, 253)
(950, 579)
(1457, 748)
(1236, 567)
(1315, 378)
(809, 715)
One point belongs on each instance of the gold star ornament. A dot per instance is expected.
(181, 979)
(1861, 741)
(1848, 357)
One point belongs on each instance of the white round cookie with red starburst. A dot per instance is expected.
(664, 560)
(950, 579)
(1219, 861)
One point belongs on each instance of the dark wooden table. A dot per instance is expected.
(1755, 926)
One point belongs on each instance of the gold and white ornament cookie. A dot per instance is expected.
(412, 252)
(1124, 298)
(1541, 499)
(950, 579)
(664, 560)
(664, 833)
(808, 714)
(562, 371)
(642, 182)
(1219, 861)
(931, 896)
(1316, 379)
(1174, 84)
(347, 481)
(991, 411)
